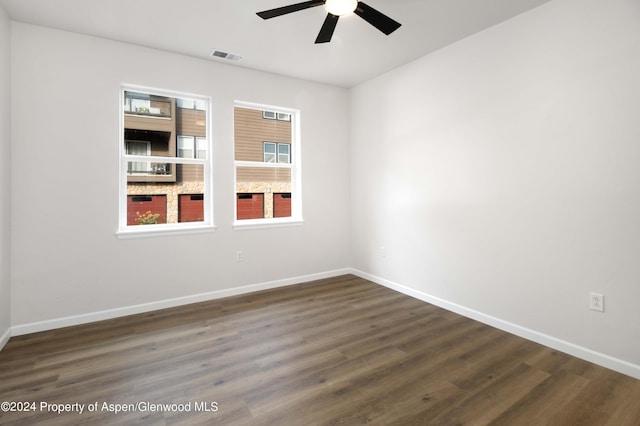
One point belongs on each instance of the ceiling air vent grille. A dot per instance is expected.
(225, 55)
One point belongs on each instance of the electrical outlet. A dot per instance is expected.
(383, 252)
(596, 302)
(239, 256)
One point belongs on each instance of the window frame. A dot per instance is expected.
(276, 115)
(295, 165)
(278, 153)
(126, 231)
(197, 103)
(191, 139)
(269, 115)
(274, 153)
(129, 143)
(283, 116)
(195, 144)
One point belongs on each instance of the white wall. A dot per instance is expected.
(5, 176)
(502, 175)
(68, 262)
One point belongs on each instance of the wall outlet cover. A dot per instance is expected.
(596, 302)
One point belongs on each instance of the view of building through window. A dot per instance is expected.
(166, 159)
(264, 164)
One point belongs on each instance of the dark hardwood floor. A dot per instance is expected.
(335, 351)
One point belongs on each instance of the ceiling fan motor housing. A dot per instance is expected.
(335, 9)
(341, 7)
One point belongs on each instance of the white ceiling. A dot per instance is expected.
(282, 45)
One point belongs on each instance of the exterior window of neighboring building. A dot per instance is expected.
(274, 115)
(267, 165)
(138, 148)
(277, 152)
(284, 153)
(270, 152)
(165, 157)
(192, 147)
(192, 104)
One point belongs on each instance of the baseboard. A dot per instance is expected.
(163, 304)
(598, 358)
(586, 354)
(4, 338)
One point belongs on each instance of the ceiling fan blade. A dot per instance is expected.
(279, 11)
(326, 32)
(377, 19)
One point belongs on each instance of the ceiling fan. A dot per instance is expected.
(335, 9)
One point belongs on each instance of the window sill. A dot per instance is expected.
(266, 223)
(146, 231)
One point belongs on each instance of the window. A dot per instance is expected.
(192, 147)
(192, 104)
(165, 163)
(270, 152)
(274, 115)
(138, 148)
(267, 165)
(186, 147)
(283, 117)
(283, 152)
(201, 147)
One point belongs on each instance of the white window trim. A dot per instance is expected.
(208, 225)
(295, 165)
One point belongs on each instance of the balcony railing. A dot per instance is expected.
(143, 168)
(141, 104)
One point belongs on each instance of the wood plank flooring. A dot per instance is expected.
(335, 351)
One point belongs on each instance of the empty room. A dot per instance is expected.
(272, 212)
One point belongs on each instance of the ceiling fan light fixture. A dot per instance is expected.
(335, 9)
(341, 7)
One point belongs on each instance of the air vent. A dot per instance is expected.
(226, 55)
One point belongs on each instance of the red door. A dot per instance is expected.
(250, 206)
(190, 208)
(141, 209)
(282, 204)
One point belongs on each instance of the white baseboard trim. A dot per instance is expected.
(581, 352)
(35, 327)
(5, 338)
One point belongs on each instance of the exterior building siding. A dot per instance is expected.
(251, 131)
(263, 174)
(191, 122)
